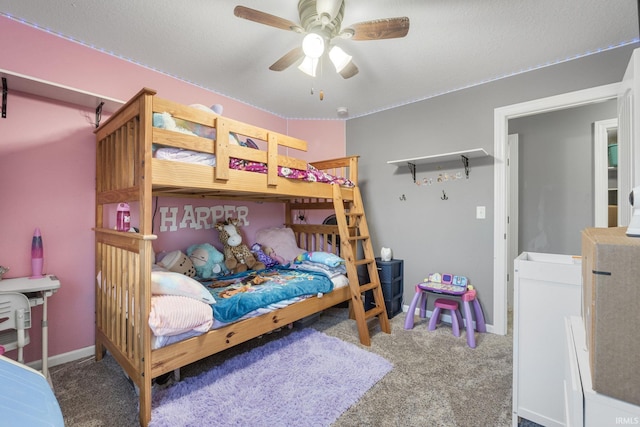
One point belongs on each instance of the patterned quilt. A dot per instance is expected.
(242, 293)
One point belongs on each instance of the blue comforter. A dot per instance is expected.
(242, 293)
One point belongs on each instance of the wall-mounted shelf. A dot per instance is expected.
(15, 82)
(464, 155)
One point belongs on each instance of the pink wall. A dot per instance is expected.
(47, 170)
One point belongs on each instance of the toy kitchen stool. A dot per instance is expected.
(452, 288)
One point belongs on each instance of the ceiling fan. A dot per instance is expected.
(321, 23)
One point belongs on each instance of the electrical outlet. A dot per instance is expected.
(481, 212)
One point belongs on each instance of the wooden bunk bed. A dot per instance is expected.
(126, 171)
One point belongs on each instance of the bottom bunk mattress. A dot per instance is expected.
(235, 298)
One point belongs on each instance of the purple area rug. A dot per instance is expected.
(304, 379)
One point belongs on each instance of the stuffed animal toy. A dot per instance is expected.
(178, 262)
(237, 256)
(262, 256)
(207, 260)
(3, 270)
(272, 254)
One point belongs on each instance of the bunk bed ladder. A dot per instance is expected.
(355, 241)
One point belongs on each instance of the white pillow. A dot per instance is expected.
(281, 240)
(173, 315)
(340, 281)
(171, 283)
(324, 258)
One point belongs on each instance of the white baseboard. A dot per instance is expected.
(63, 358)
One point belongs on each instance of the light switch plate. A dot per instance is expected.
(481, 212)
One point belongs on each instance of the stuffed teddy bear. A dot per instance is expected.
(178, 262)
(207, 260)
(262, 256)
(237, 256)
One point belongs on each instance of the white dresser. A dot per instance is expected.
(583, 406)
(548, 288)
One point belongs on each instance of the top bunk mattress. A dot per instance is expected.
(166, 121)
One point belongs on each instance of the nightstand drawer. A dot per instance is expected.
(389, 270)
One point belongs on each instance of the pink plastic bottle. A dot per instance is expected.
(37, 255)
(123, 218)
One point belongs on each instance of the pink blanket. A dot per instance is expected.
(312, 174)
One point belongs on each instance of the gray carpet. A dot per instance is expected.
(437, 380)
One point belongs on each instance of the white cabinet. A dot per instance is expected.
(585, 407)
(547, 289)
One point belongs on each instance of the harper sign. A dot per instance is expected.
(200, 217)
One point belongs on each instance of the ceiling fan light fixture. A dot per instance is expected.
(313, 45)
(309, 66)
(339, 58)
(327, 10)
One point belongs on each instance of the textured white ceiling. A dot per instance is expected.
(451, 44)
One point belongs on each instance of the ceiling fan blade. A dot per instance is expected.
(288, 59)
(265, 18)
(390, 28)
(349, 71)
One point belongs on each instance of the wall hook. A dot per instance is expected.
(403, 198)
(444, 196)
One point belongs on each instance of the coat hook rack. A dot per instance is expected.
(99, 113)
(5, 91)
(444, 196)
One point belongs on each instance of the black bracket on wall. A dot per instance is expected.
(465, 162)
(412, 168)
(99, 113)
(5, 91)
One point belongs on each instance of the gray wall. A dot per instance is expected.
(431, 234)
(556, 177)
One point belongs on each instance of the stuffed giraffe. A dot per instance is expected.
(237, 256)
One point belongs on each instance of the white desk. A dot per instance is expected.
(37, 290)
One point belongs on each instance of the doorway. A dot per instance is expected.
(501, 226)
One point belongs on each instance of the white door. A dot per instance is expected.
(628, 137)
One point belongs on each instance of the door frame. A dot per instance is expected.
(513, 164)
(500, 226)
